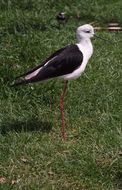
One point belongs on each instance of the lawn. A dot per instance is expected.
(33, 155)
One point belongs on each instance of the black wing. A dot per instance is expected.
(62, 62)
(41, 65)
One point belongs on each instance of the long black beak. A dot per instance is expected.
(102, 38)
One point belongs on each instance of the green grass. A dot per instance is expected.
(32, 153)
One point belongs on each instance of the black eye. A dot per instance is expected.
(87, 31)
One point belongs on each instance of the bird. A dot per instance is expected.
(62, 18)
(67, 63)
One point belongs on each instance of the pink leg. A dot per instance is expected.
(62, 111)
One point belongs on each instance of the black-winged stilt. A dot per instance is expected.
(67, 63)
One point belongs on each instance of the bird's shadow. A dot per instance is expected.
(27, 126)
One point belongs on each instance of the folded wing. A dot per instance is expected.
(62, 62)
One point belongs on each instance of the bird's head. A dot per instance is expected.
(85, 31)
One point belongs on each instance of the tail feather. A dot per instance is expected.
(17, 83)
(26, 78)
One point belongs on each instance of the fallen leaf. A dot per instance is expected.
(120, 153)
(15, 181)
(24, 160)
(2, 180)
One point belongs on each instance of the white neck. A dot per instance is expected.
(85, 46)
(83, 40)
